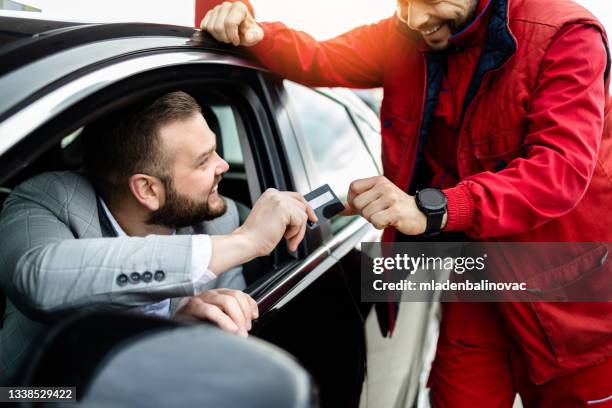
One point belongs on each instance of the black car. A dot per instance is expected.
(56, 77)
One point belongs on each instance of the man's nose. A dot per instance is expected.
(223, 166)
(418, 15)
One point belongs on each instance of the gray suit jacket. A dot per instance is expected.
(58, 254)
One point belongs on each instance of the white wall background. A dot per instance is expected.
(324, 18)
(602, 10)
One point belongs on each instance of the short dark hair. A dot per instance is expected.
(127, 142)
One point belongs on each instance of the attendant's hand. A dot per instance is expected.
(231, 310)
(384, 205)
(231, 22)
(274, 216)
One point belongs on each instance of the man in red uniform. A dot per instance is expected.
(501, 107)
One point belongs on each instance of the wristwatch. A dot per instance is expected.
(432, 202)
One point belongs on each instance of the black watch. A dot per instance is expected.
(432, 202)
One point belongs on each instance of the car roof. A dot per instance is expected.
(19, 25)
(35, 22)
(42, 52)
(25, 38)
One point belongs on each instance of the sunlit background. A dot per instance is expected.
(321, 18)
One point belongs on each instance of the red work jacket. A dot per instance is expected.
(533, 149)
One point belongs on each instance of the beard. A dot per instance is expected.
(462, 24)
(180, 211)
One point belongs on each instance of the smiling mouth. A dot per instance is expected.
(432, 30)
(216, 187)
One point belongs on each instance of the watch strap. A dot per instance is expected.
(434, 222)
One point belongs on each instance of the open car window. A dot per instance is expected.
(331, 141)
(232, 110)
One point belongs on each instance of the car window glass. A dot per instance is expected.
(372, 136)
(337, 149)
(228, 130)
(68, 140)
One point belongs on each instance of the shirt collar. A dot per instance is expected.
(118, 230)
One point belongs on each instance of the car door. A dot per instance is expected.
(340, 142)
(329, 337)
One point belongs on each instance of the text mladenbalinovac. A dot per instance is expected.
(482, 285)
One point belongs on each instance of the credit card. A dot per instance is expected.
(325, 204)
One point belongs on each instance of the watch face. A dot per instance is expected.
(432, 199)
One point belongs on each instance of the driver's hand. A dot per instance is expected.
(231, 310)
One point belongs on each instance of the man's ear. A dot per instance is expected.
(148, 191)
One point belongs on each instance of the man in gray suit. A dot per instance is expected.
(137, 231)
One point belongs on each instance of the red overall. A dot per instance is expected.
(516, 129)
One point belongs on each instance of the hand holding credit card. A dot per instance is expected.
(325, 204)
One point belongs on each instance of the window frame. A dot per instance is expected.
(262, 158)
(307, 155)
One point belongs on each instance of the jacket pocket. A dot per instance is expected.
(579, 318)
(496, 151)
(566, 282)
(399, 141)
